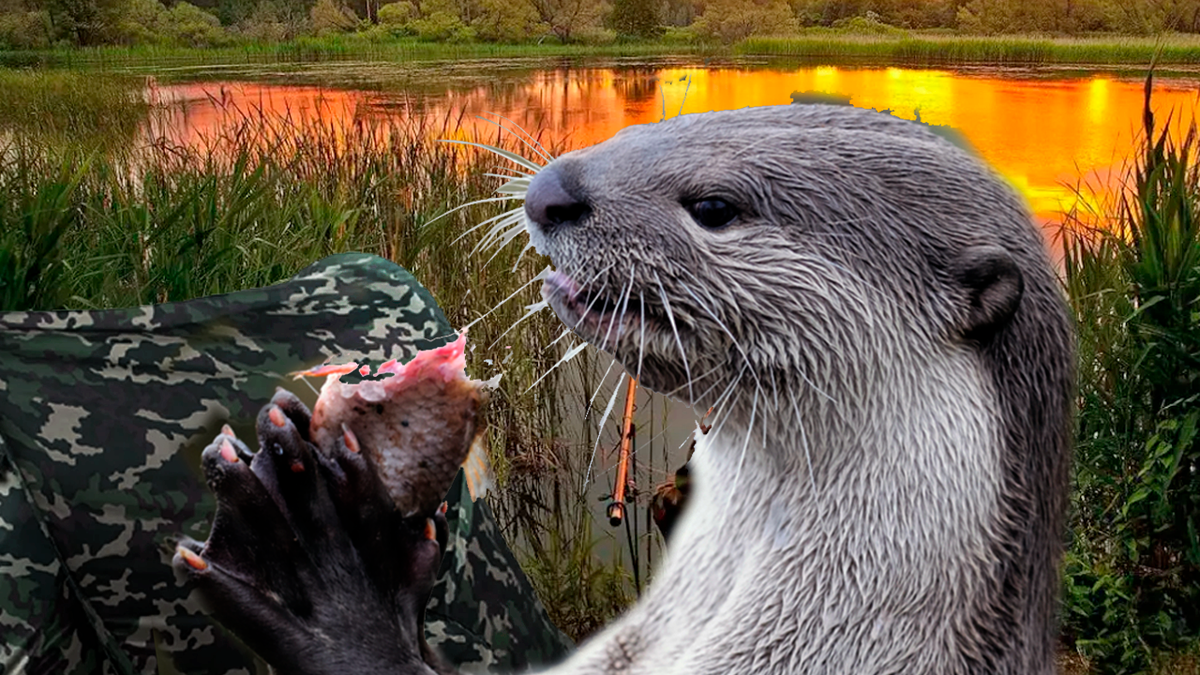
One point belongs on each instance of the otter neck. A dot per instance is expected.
(930, 428)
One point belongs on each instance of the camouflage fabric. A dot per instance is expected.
(103, 416)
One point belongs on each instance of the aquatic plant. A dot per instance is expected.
(1132, 272)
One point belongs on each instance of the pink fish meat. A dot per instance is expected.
(415, 426)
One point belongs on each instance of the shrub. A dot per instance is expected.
(507, 21)
(1133, 574)
(188, 25)
(25, 30)
(733, 20)
(328, 17)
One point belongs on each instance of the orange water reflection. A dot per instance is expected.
(1044, 135)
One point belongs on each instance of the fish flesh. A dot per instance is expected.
(416, 423)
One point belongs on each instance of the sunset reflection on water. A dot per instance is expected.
(1043, 135)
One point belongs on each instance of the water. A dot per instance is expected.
(1045, 131)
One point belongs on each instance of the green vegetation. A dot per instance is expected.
(86, 222)
(71, 106)
(802, 26)
(86, 225)
(1133, 276)
(1002, 50)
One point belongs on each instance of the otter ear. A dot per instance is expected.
(993, 285)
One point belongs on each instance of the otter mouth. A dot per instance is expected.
(590, 312)
(630, 329)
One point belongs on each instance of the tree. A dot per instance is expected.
(189, 25)
(507, 21)
(330, 16)
(23, 28)
(566, 18)
(639, 18)
(733, 20)
(440, 20)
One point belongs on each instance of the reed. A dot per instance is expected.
(1132, 272)
(918, 48)
(332, 48)
(70, 106)
(86, 228)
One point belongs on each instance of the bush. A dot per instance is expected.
(680, 35)
(188, 25)
(329, 17)
(25, 30)
(733, 20)
(868, 25)
(397, 14)
(1133, 574)
(507, 21)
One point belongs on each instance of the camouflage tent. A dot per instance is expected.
(103, 416)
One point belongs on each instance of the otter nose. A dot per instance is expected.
(549, 204)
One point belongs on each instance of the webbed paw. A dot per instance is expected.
(308, 562)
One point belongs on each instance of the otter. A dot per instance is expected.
(872, 315)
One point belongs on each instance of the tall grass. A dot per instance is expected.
(70, 106)
(918, 47)
(999, 50)
(331, 48)
(1132, 271)
(266, 196)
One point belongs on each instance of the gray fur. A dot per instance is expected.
(894, 320)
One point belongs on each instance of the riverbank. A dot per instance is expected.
(898, 48)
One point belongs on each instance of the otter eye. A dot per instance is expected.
(712, 213)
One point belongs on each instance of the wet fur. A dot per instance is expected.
(894, 318)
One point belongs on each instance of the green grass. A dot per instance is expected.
(334, 48)
(71, 106)
(86, 227)
(915, 47)
(1132, 272)
(931, 48)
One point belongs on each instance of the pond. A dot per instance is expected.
(1046, 131)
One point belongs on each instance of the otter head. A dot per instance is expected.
(803, 241)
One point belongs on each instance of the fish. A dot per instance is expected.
(416, 423)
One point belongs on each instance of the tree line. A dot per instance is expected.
(34, 24)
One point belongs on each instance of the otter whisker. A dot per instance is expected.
(599, 386)
(595, 298)
(700, 377)
(521, 256)
(512, 224)
(671, 318)
(516, 184)
(607, 411)
(486, 200)
(530, 310)
(509, 235)
(804, 442)
(642, 338)
(725, 397)
(618, 315)
(634, 453)
(518, 130)
(571, 353)
(539, 277)
(565, 332)
(511, 156)
(625, 305)
(721, 324)
(746, 444)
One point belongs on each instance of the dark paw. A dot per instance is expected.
(308, 561)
